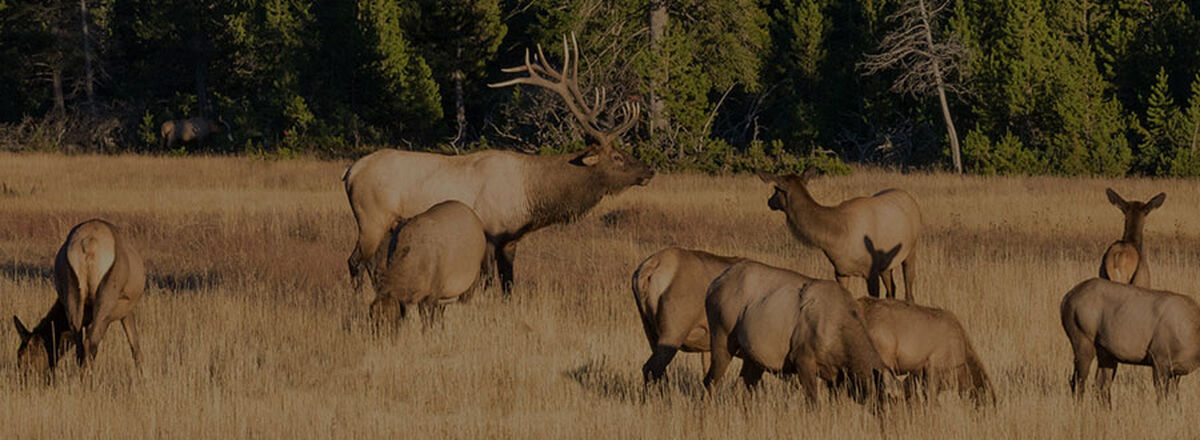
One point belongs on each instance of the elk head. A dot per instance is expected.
(617, 168)
(786, 186)
(34, 353)
(1135, 211)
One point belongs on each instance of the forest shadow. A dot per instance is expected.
(188, 281)
(18, 270)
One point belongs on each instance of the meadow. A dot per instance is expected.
(250, 328)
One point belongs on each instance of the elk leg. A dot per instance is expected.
(504, 262)
(130, 326)
(1084, 353)
(806, 369)
(487, 270)
(705, 360)
(910, 273)
(751, 374)
(654, 367)
(889, 283)
(95, 333)
(1162, 380)
(354, 264)
(721, 356)
(1106, 370)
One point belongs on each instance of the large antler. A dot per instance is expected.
(565, 82)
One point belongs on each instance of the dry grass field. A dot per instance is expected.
(249, 327)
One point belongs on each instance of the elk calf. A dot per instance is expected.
(891, 218)
(429, 260)
(1125, 260)
(669, 289)
(99, 277)
(1121, 323)
(780, 321)
(927, 343)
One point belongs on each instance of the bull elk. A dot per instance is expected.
(99, 277)
(430, 259)
(890, 217)
(669, 289)
(1120, 323)
(780, 321)
(192, 131)
(1125, 260)
(928, 344)
(512, 193)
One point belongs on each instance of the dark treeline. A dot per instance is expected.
(1076, 87)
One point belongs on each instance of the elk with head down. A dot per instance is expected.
(192, 131)
(428, 260)
(512, 193)
(1122, 323)
(1125, 260)
(669, 289)
(890, 217)
(99, 277)
(780, 321)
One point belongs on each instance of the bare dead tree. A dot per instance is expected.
(924, 61)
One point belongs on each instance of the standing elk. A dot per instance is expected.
(669, 288)
(1121, 323)
(192, 131)
(430, 259)
(512, 193)
(780, 321)
(891, 217)
(1125, 260)
(99, 277)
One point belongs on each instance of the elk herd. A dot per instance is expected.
(435, 229)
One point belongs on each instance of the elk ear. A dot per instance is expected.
(808, 174)
(589, 157)
(1115, 198)
(1156, 202)
(767, 178)
(24, 332)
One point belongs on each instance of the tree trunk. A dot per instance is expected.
(460, 110)
(89, 75)
(60, 105)
(941, 89)
(658, 81)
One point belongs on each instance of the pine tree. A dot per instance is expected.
(407, 94)
(1155, 130)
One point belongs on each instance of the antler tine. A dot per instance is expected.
(575, 65)
(544, 64)
(532, 79)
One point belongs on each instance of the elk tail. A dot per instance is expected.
(644, 293)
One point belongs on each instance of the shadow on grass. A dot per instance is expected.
(597, 377)
(18, 270)
(189, 281)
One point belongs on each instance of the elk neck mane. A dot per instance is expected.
(812, 222)
(559, 191)
(1134, 225)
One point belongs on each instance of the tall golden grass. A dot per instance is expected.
(250, 329)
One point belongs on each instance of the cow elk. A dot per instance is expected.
(1120, 323)
(891, 218)
(780, 321)
(1125, 260)
(928, 344)
(99, 277)
(669, 288)
(429, 260)
(512, 193)
(192, 131)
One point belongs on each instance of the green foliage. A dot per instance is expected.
(1006, 157)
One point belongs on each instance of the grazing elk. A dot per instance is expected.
(512, 193)
(927, 343)
(1125, 260)
(99, 277)
(669, 289)
(891, 217)
(429, 260)
(192, 131)
(780, 321)
(1121, 323)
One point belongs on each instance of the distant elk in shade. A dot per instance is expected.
(1120, 323)
(1125, 260)
(780, 321)
(669, 288)
(890, 217)
(99, 277)
(192, 131)
(512, 193)
(429, 260)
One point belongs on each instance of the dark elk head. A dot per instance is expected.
(33, 354)
(786, 186)
(617, 168)
(219, 126)
(1135, 211)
